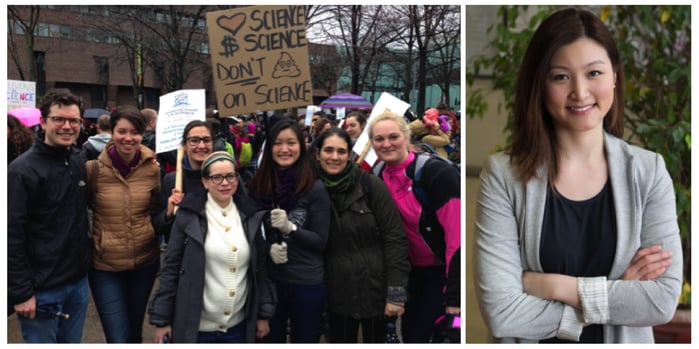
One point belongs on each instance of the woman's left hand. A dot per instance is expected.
(453, 310)
(648, 263)
(262, 328)
(394, 310)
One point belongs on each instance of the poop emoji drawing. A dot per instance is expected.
(286, 67)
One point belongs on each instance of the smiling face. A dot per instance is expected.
(196, 153)
(286, 149)
(61, 134)
(333, 155)
(580, 86)
(389, 143)
(222, 192)
(126, 138)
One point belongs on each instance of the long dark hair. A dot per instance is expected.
(261, 183)
(534, 140)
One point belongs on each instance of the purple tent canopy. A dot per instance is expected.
(346, 100)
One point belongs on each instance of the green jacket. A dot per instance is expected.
(367, 252)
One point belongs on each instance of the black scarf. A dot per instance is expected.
(287, 198)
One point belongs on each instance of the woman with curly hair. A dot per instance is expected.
(19, 138)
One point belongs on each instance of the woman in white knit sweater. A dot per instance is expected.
(213, 286)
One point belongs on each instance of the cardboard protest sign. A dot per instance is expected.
(259, 57)
(177, 109)
(21, 94)
(387, 102)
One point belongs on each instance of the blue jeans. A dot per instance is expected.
(302, 305)
(121, 299)
(425, 303)
(235, 334)
(69, 299)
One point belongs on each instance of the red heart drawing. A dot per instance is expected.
(231, 24)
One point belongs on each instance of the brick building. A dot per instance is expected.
(74, 48)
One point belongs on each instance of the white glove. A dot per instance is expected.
(279, 221)
(278, 253)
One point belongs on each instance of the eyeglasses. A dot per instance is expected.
(194, 141)
(218, 179)
(61, 120)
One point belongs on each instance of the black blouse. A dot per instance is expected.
(578, 238)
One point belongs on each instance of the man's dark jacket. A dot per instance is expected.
(48, 245)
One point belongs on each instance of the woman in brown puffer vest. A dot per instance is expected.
(125, 179)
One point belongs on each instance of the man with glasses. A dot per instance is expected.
(48, 245)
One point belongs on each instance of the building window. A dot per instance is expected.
(55, 30)
(65, 32)
(42, 30)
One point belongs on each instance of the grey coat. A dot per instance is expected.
(178, 301)
(508, 230)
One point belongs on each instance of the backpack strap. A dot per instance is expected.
(418, 189)
(378, 169)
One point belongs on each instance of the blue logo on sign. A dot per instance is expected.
(181, 100)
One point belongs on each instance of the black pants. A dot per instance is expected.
(425, 303)
(343, 329)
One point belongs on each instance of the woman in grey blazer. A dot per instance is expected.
(576, 230)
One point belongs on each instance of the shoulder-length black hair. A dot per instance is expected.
(534, 140)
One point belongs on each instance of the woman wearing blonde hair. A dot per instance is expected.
(432, 224)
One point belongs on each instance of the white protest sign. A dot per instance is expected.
(309, 114)
(177, 109)
(21, 94)
(386, 102)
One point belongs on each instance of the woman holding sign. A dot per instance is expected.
(197, 142)
(297, 229)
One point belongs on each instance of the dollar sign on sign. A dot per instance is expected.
(229, 46)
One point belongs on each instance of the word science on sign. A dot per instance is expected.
(260, 58)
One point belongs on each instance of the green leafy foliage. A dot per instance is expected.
(655, 46)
